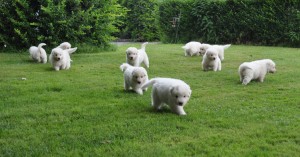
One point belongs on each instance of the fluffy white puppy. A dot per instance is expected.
(38, 53)
(136, 56)
(66, 45)
(220, 49)
(134, 77)
(211, 60)
(173, 92)
(60, 59)
(256, 70)
(192, 48)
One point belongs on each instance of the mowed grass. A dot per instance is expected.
(85, 111)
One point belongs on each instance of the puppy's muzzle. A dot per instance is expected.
(180, 103)
(214, 58)
(57, 58)
(131, 58)
(139, 82)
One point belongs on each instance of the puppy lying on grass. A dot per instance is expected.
(136, 56)
(173, 92)
(256, 70)
(134, 77)
(38, 53)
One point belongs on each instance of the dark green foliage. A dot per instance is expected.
(31, 22)
(256, 22)
(140, 23)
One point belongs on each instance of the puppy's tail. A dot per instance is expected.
(149, 83)
(124, 66)
(226, 46)
(143, 47)
(40, 46)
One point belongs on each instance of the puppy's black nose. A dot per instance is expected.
(131, 58)
(214, 58)
(139, 82)
(180, 103)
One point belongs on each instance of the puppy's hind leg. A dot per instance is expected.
(146, 61)
(156, 103)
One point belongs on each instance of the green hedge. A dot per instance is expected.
(270, 22)
(25, 23)
(140, 22)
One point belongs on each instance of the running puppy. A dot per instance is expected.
(192, 48)
(211, 60)
(220, 49)
(136, 56)
(65, 45)
(134, 77)
(173, 92)
(256, 70)
(60, 59)
(38, 53)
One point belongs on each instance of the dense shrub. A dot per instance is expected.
(25, 23)
(233, 21)
(140, 21)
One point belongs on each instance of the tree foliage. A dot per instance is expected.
(25, 23)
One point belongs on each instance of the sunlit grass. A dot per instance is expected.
(85, 111)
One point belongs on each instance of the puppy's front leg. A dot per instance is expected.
(139, 91)
(56, 68)
(178, 110)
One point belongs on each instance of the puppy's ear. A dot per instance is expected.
(172, 90)
(190, 92)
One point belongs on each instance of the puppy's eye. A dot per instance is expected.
(184, 96)
(136, 77)
(176, 96)
(142, 76)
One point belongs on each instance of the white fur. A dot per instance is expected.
(173, 92)
(60, 59)
(66, 45)
(192, 48)
(38, 53)
(134, 77)
(211, 60)
(220, 49)
(256, 70)
(136, 56)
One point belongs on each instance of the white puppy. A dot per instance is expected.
(134, 77)
(211, 60)
(256, 70)
(60, 59)
(66, 45)
(219, 48)
(173, 92)
(38, 53)
(136, 56)
(192, 48)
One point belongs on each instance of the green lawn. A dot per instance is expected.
(85, 111)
